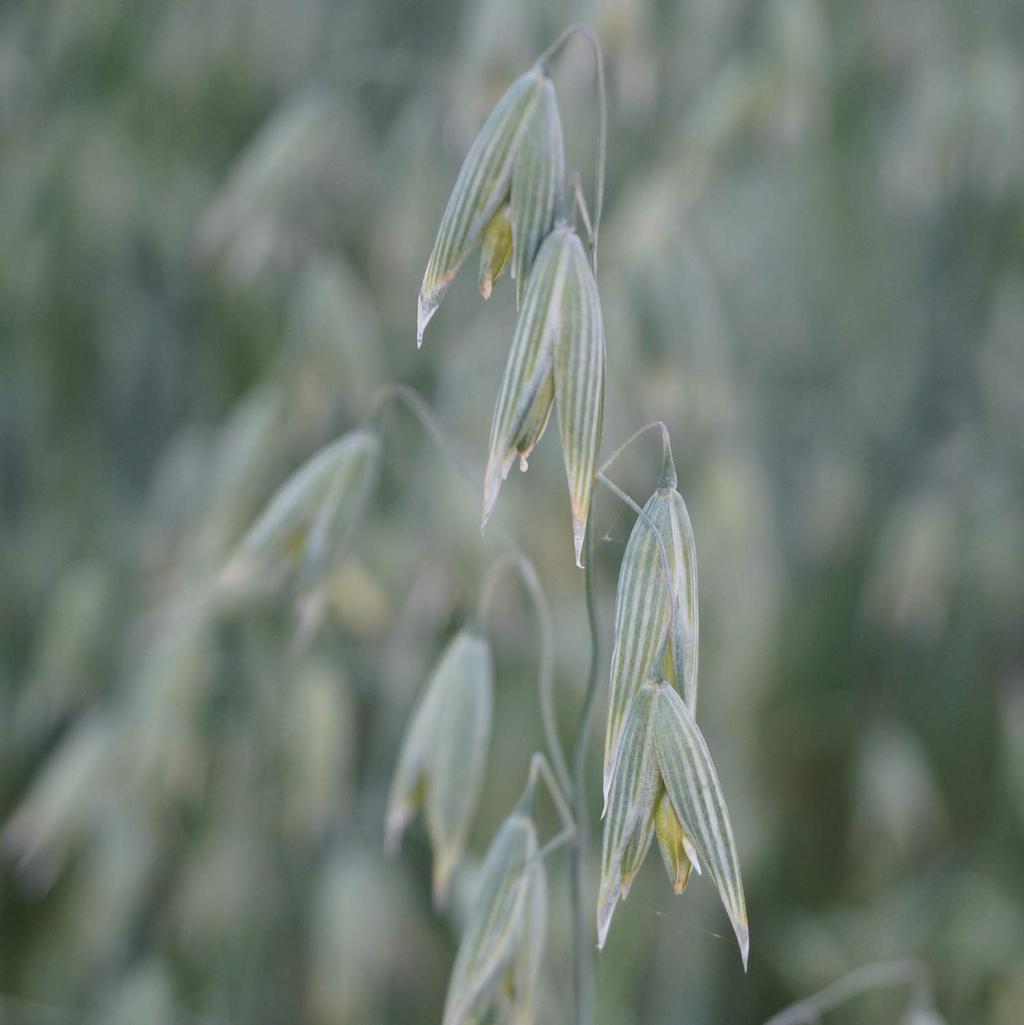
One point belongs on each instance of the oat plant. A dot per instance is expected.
(514, 200)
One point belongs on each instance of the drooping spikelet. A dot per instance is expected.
(443, 757)
(515, 169)
(557, 357)
(661, 756)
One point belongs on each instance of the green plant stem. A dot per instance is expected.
(578, 850)
(883, 974)
(540, 769)
(545, 676)
(394, 391)
(666, 443)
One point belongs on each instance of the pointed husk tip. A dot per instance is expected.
(607, 899)
(579, 533)
(426, 307)
(495, 475)
(743, 939)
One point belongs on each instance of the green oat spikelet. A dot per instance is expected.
(557, 357)
(663, 755)
(629, 819)
(521, 984)
(643, 601)
(517, 158)
(307, 525)
(692, 786)
(500, 952)
(538, 179)
(443, 756)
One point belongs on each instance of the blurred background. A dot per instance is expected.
(214, 218)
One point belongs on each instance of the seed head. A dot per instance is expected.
(444, 754)
(647, 606)
(517, 160)
(663, 757)
(305, 528)
(501, 950)
(557, 356)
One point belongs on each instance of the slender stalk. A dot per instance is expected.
(413, 401)
(539, 768)
(578, 851)
(394, 391)
(907, 972)
(545, 676)
(581, 203)
(666, 443)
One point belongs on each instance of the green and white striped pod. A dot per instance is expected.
(502, 947)
(557, 356)
(643, 602)
(629, 812)
(517, 158)
(308, 523)
(663, 755)
(443, 756)
(692, 786)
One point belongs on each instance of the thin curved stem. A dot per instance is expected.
(540, 769)
(666, 443)
(413, 401)
(581, 203)
(662, 551)
(906, 972)
(602, 128)
(545, 676)
(577, 857)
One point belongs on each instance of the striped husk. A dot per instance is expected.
(517, 158)
(642, 603)
(629, 823)
(664, 782)
(503, 941)
(558, 356)
(692, 786)
(537, 182)
(306, 526)
(579, 386)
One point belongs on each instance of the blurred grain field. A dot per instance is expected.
(214, 217)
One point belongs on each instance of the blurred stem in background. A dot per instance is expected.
(545, 681)
(906, 972)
